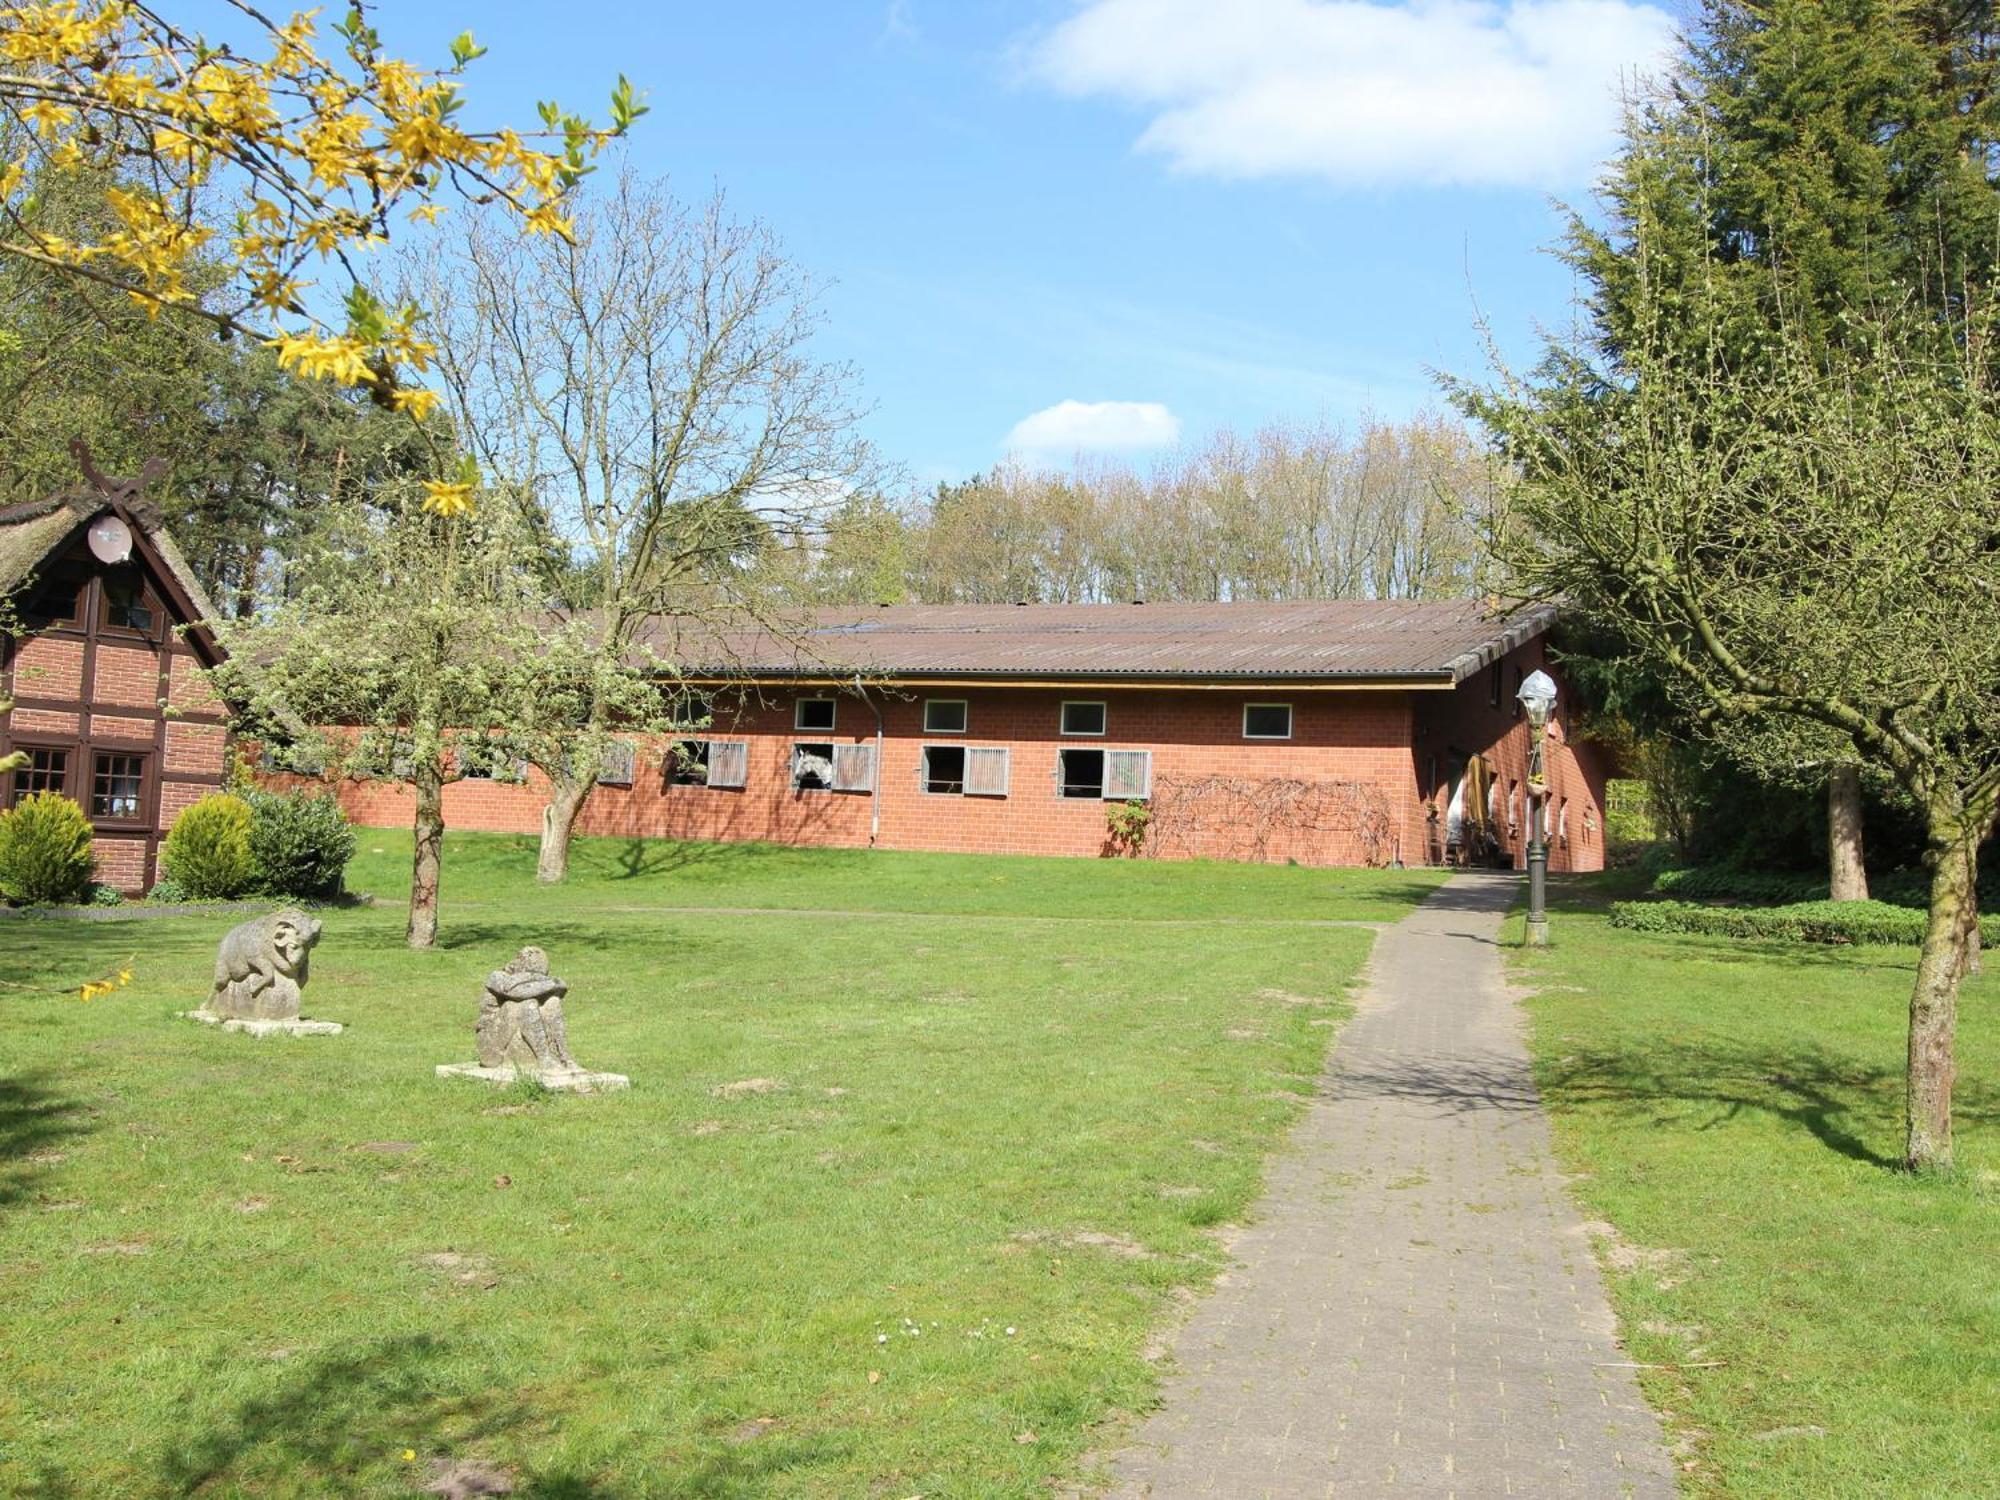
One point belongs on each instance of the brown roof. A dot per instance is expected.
(1390, 641)
(32, 530)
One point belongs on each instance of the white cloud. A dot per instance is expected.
(1432, 92)
(1089, 426)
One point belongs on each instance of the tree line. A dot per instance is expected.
(1391, 510)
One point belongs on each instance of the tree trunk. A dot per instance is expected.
(1848, 877)
(1934, 1003)
(429, 857)
(1971, 946)
(566, 799)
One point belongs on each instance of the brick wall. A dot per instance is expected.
(1352, 737)
(121, 862)
(1468, 722)
(49, 667)
(126, 675)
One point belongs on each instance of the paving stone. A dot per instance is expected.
(1415, 1311)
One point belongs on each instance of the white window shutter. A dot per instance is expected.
(728, 762)
(853, 768)
(986, 771)
(1128, 775)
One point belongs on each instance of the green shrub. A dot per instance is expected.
(1858, 922)
(208, 852)
(166, 893)
(1731, 883)
(105, 895)
(1749, 887)
(300, 844)
(45, 857)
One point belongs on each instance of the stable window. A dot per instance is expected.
(944, 716)
(47, 770)
(1267, 721)
(944, 769)
(1493, 685)
(1083, 718)
(620, 763)
(814, 713)
(1518, 679)
(116, 783)
(688, 763)
(812, 767)
(1080, 773)
(127, 605)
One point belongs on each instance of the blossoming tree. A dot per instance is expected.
(282, 150)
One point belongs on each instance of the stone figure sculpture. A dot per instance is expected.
(521, 1019)
(521, 1032)
(261, 968)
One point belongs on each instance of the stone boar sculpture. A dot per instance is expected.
(262, 966)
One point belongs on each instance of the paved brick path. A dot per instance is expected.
(1416, 1311)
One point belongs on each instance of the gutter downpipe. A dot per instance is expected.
(875, 782)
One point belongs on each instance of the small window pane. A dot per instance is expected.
(125, 603)
(54, 596)
(814, 713)
(944, 769)
(1267, 721)
(46, 771)
(812, 768)
(1082, 773)
(1083, 718)
(944, 716)
(115, 784)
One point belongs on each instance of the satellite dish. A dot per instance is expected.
(110, 540)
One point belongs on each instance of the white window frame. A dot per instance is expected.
(799, 716)
(1289, 721)
(1063, 796)
(1104, 719)
(964, 717)
(792, 765)
(924, 777)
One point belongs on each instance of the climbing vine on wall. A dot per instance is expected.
(1255, 818)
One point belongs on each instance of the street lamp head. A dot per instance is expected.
(1538, 697)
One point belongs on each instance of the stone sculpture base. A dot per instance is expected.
(579, 1081)
(292, 1026)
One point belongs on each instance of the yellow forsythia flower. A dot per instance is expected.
(447, 498)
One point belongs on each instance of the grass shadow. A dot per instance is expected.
(1839, 1102)
(334, 1415)
(33, 1118)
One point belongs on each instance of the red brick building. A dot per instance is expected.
(1340, 732)
(110, 701)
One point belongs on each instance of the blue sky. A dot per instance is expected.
(1237, 211)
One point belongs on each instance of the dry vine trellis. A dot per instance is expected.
(1240, 817)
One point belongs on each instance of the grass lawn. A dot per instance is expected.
(978, 1147)
(1735, 1108)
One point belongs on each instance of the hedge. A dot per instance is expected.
(1857, 922)
(1904, 888)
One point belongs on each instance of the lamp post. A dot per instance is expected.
(1538, 700)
